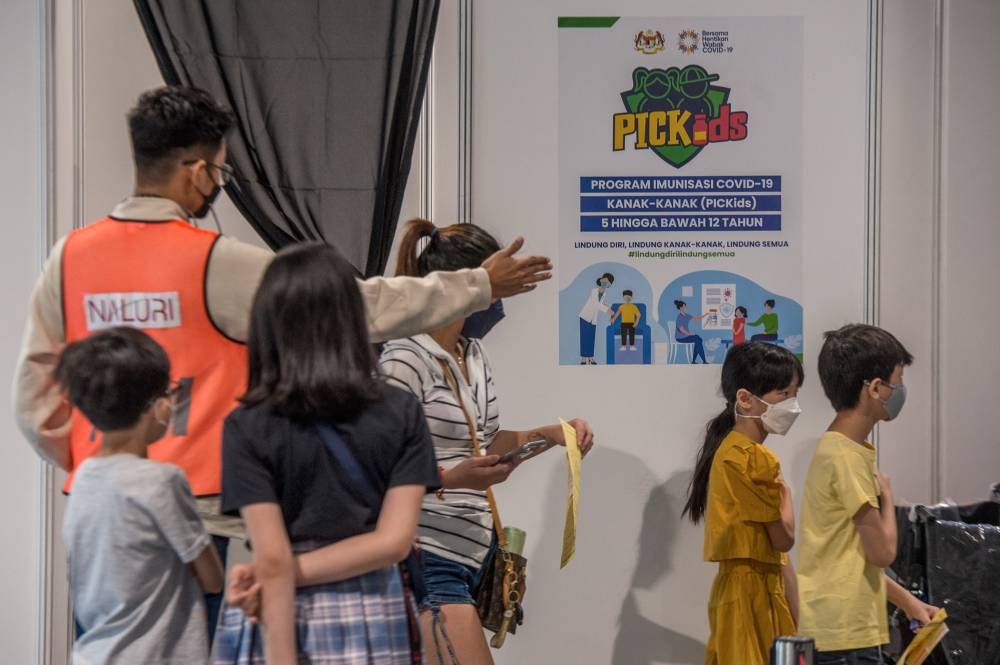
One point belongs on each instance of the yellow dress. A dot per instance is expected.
(747, 608)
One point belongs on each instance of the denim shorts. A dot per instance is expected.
(870, 656)
(450, 582)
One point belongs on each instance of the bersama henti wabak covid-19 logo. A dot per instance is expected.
(676, 113)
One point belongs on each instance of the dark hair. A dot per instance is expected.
(167, 122)
(608, 276)
(627, 292)
(741, 308)
(679, 303)
(769, 303)
(854, 354)
(450, 248)
(758, 367)
(308, 345)
(113, 376)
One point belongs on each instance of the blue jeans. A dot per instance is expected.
(450, 582)
(213, 601)
(869, 656)
(699, 349)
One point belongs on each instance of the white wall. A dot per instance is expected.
(637, 591)
(940, 231)
(21, 134)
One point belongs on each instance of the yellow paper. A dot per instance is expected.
(926, 639)
(573, 458)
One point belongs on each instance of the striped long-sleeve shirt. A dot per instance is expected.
(458, 527)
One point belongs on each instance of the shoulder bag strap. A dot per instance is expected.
(453, 384)
(349, 464)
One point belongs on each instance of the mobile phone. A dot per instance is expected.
(525, 451)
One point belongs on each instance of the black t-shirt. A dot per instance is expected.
(268, 458)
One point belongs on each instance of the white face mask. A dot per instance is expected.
(778, 418)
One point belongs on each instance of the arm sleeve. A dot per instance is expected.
(404, 306)
(246, 478)
(174, 510)
(757, 322)
(39, 409)
(753, 479)
(234, 271)
(402, 368)
(854, 483)
(417, 463)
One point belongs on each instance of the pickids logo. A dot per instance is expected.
(650, 42)
(677, 112)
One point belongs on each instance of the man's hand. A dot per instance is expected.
(511, 276)
(477, 473)
(243, 591)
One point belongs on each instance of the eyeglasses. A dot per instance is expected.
(225, 170)
(173, 390)
(179, 394)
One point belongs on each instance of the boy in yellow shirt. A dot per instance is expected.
(848, 520)
(630, 316)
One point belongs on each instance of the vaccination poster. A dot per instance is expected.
(680, 187)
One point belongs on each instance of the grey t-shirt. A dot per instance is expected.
(132, 528)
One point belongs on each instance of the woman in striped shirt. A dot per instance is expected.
(456, 525)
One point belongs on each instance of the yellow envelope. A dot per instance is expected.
(926, 639)
(573, 458)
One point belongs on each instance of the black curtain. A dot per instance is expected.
(327, 96)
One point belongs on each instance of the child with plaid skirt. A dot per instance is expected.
(325, 586)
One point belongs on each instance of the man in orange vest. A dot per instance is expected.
(147, 266)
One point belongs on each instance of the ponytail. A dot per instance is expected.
(716, 430)
(449, 248)
(416, 230)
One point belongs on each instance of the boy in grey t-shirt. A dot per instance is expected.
(139, 557)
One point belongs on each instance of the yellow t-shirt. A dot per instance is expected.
(841, 594)
(743, 494)
(628, 312)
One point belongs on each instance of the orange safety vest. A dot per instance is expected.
(151, 275)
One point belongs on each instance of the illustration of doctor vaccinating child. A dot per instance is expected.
(588, 317)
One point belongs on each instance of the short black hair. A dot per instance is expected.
(608, 276)
(854, 354)
(769, 303)
(113, 376)
(309, 353)
(741, 308)
(168, 121)
(627, 292)
(679, 303)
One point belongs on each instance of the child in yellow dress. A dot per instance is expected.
(738, 489)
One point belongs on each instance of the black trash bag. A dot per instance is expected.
(951, 554)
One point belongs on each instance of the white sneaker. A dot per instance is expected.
(631, 348)
(621, 348)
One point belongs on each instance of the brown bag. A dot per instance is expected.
(501, 591)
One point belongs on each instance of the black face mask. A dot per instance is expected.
(209, 200)
(478, 324)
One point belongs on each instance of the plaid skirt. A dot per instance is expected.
(360, 621)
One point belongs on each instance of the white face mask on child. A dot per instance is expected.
(778, 418)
